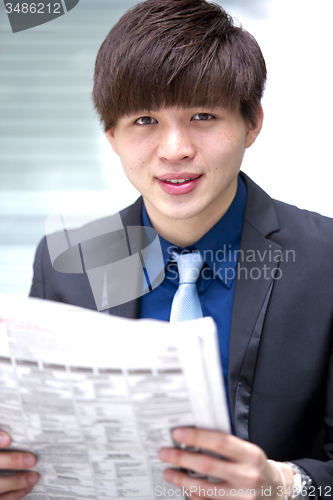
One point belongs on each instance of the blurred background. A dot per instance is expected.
(54, 157)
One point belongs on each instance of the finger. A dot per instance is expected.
(5, 440)
(17, 460)
(18, 481)
(16, 495)
(200, 463)
(226, 445)
(242, 475)
(194, 488)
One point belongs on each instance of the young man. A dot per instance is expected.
(178, 89)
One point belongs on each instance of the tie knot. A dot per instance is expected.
(189, 266)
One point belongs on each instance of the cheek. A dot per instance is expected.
(138, 153)
(233, 145)
(227, 158)
(136, 167)
(228, 155)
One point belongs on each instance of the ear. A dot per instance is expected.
(111, 138)
(254, 130)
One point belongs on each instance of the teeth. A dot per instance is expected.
(177, 181)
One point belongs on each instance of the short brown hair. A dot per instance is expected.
(184, 53)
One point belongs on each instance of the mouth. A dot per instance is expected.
(179, 184)
(179, 181)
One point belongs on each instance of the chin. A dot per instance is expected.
(181, 214)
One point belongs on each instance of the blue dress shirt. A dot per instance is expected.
(216, 283)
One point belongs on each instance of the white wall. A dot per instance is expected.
(292, 158)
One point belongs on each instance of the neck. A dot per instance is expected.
(185, 232)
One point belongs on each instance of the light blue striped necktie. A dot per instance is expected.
(186, 304)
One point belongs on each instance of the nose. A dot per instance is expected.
(175, 145)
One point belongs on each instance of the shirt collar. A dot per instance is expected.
(220, 244)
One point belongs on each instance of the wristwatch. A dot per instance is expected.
(303, 487)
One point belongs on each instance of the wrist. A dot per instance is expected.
(282, 479)
(288, 473)
(303, 487)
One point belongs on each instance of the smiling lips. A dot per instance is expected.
(179, 183)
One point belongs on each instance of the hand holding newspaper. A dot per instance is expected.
(95, 396)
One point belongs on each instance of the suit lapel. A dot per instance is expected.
(129, 310)
(131, 216)
(257, 268)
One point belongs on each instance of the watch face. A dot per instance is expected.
(302, 482)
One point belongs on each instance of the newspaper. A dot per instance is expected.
(95, 396)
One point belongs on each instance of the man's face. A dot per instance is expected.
(184, 161)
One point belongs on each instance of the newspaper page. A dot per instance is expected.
(95, 396)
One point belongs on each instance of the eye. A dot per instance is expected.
(203, 117)
(146, 120)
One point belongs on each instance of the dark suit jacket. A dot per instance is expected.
(281, 350)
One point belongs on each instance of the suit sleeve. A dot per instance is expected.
(38, 283)
(322, 472)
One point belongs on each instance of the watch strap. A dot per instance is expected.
(302, 483)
